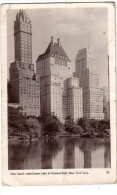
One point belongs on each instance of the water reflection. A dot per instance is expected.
(60, 153)
(69, 153)
(50, 148)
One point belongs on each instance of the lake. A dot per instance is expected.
(60, 153)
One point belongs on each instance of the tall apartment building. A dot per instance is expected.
(54, 68)
(24, 83)
(89, 81)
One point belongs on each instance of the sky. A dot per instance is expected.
(76, 27)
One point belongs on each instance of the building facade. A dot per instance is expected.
(24, 83)
(89, 81)
(54, 68)
(75, 101)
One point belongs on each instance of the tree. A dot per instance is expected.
(94, 124)
(69, 124)
(33, 127)
(53, 125)
(16, 120)
(84, 123)
(103, 125)
(78, 129)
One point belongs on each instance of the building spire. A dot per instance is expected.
(58, 42)
(52, 38)
(88, 40)
(108, 77)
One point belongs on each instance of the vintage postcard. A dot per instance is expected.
(58, 94)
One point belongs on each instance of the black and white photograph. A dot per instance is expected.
(58, 88)
(59, 85)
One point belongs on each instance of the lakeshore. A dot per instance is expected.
(19, 139)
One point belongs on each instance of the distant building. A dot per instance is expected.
(89, 81)
(56, 90)
(8, 91)
(108, 110)
(75, 101)
(105, 102)
(24, 83)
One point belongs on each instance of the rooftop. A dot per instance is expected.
(22, 17)
(55, 50)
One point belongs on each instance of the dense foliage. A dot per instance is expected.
(71, 127)
(18, 124)
(94, 124)
(51, 125)
(93, 127)
(16, 121)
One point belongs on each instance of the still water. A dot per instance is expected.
(56, 153)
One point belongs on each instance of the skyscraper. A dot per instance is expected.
(89, 81)
(54, 68)
(24, 83)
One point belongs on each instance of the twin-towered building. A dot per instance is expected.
(53, 89)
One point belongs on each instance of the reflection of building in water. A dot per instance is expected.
(31, 159)
(58, 157)
(50, 150)
(46, 161)
(89, 153)
(69, 154)
(87, 159)
(98, 162)
(32, 163)
(58, 160)
(87, 146)
(60, 153)
(107, 156)
(46, 157)
(24, 156)
(79, 157)
(101, 154)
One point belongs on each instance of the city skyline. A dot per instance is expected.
(57, 92)
(54, 88)
(73, 38)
